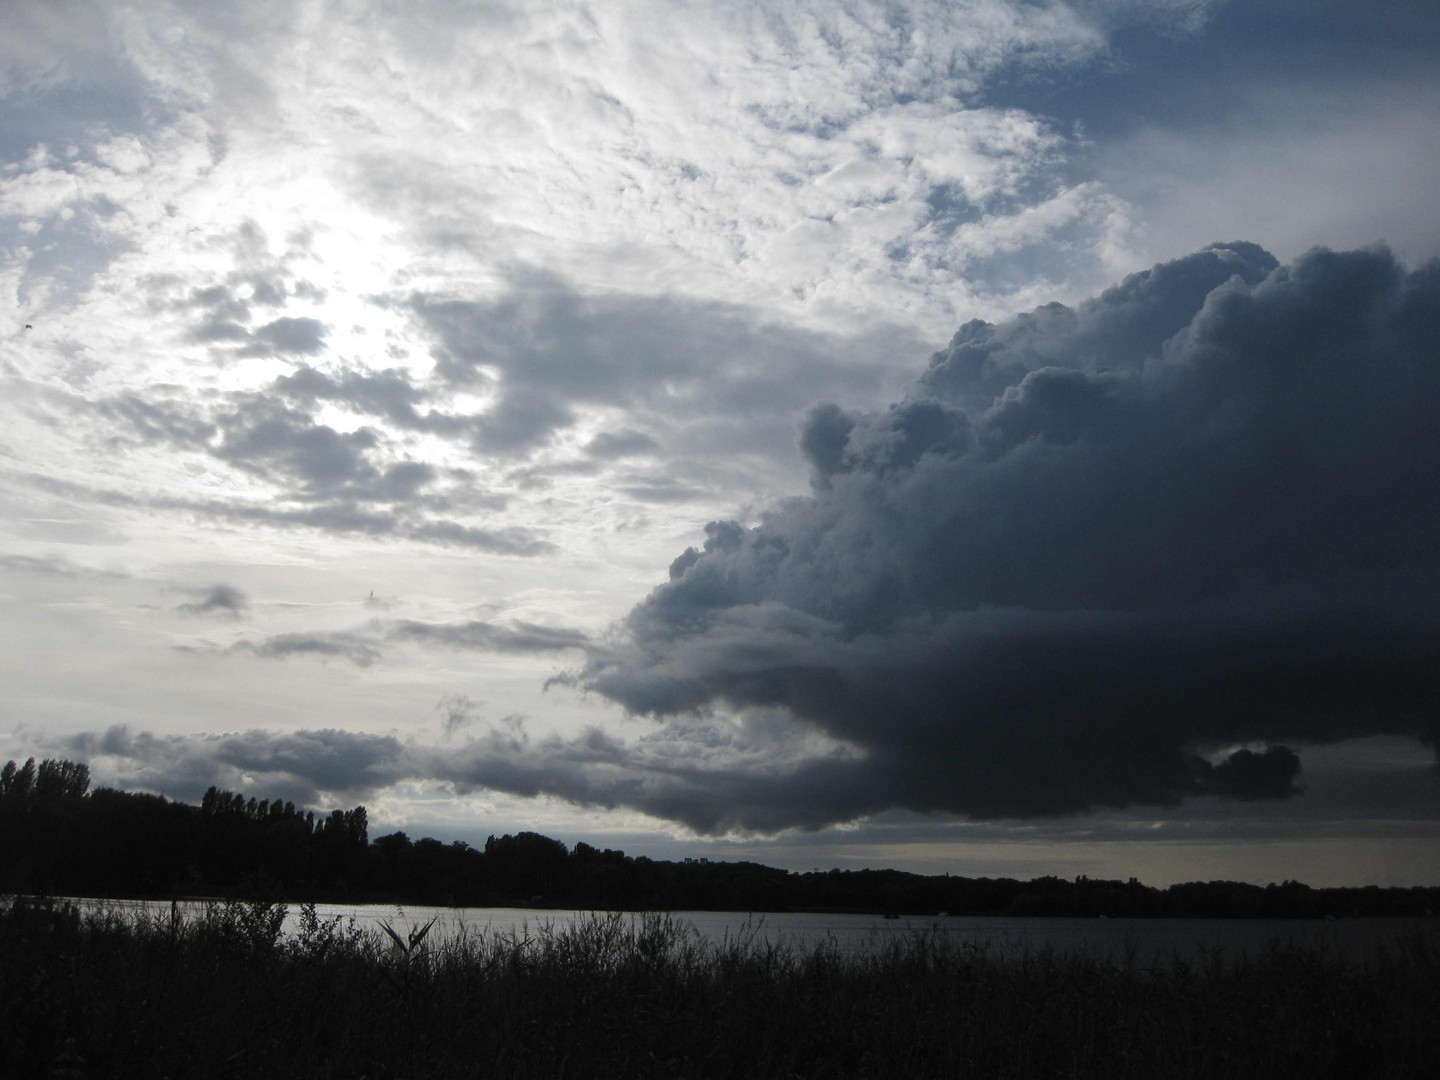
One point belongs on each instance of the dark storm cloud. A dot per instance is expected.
(1248, 775)
(1093, 549)
(223, 600)
(1118, 330)
(715, 776)
(331, 760)
(691, 362)
(595, 769)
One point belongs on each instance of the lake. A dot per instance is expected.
(1148, 938)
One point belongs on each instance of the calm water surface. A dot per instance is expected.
(1148, 938)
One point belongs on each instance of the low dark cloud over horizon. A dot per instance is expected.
(1094, 555)
(1129, 553)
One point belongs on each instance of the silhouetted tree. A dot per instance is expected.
(528, 865)
(56, 834)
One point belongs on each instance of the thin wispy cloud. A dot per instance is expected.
(364, 645)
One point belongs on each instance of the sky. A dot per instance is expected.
(987, 437)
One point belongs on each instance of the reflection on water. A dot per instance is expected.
(1146, 938)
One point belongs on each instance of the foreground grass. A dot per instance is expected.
(619, 996)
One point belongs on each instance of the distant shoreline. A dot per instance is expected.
(68, 840)
(400, 902)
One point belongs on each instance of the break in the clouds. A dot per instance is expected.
(1095, 551)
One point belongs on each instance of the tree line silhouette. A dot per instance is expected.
(58, 837)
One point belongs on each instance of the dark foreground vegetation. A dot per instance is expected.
(58, 837)
(225, 994)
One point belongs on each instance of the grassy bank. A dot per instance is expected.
(225, 995)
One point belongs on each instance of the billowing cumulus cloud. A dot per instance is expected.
(1095, 553)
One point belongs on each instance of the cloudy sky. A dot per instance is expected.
(992, 437)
